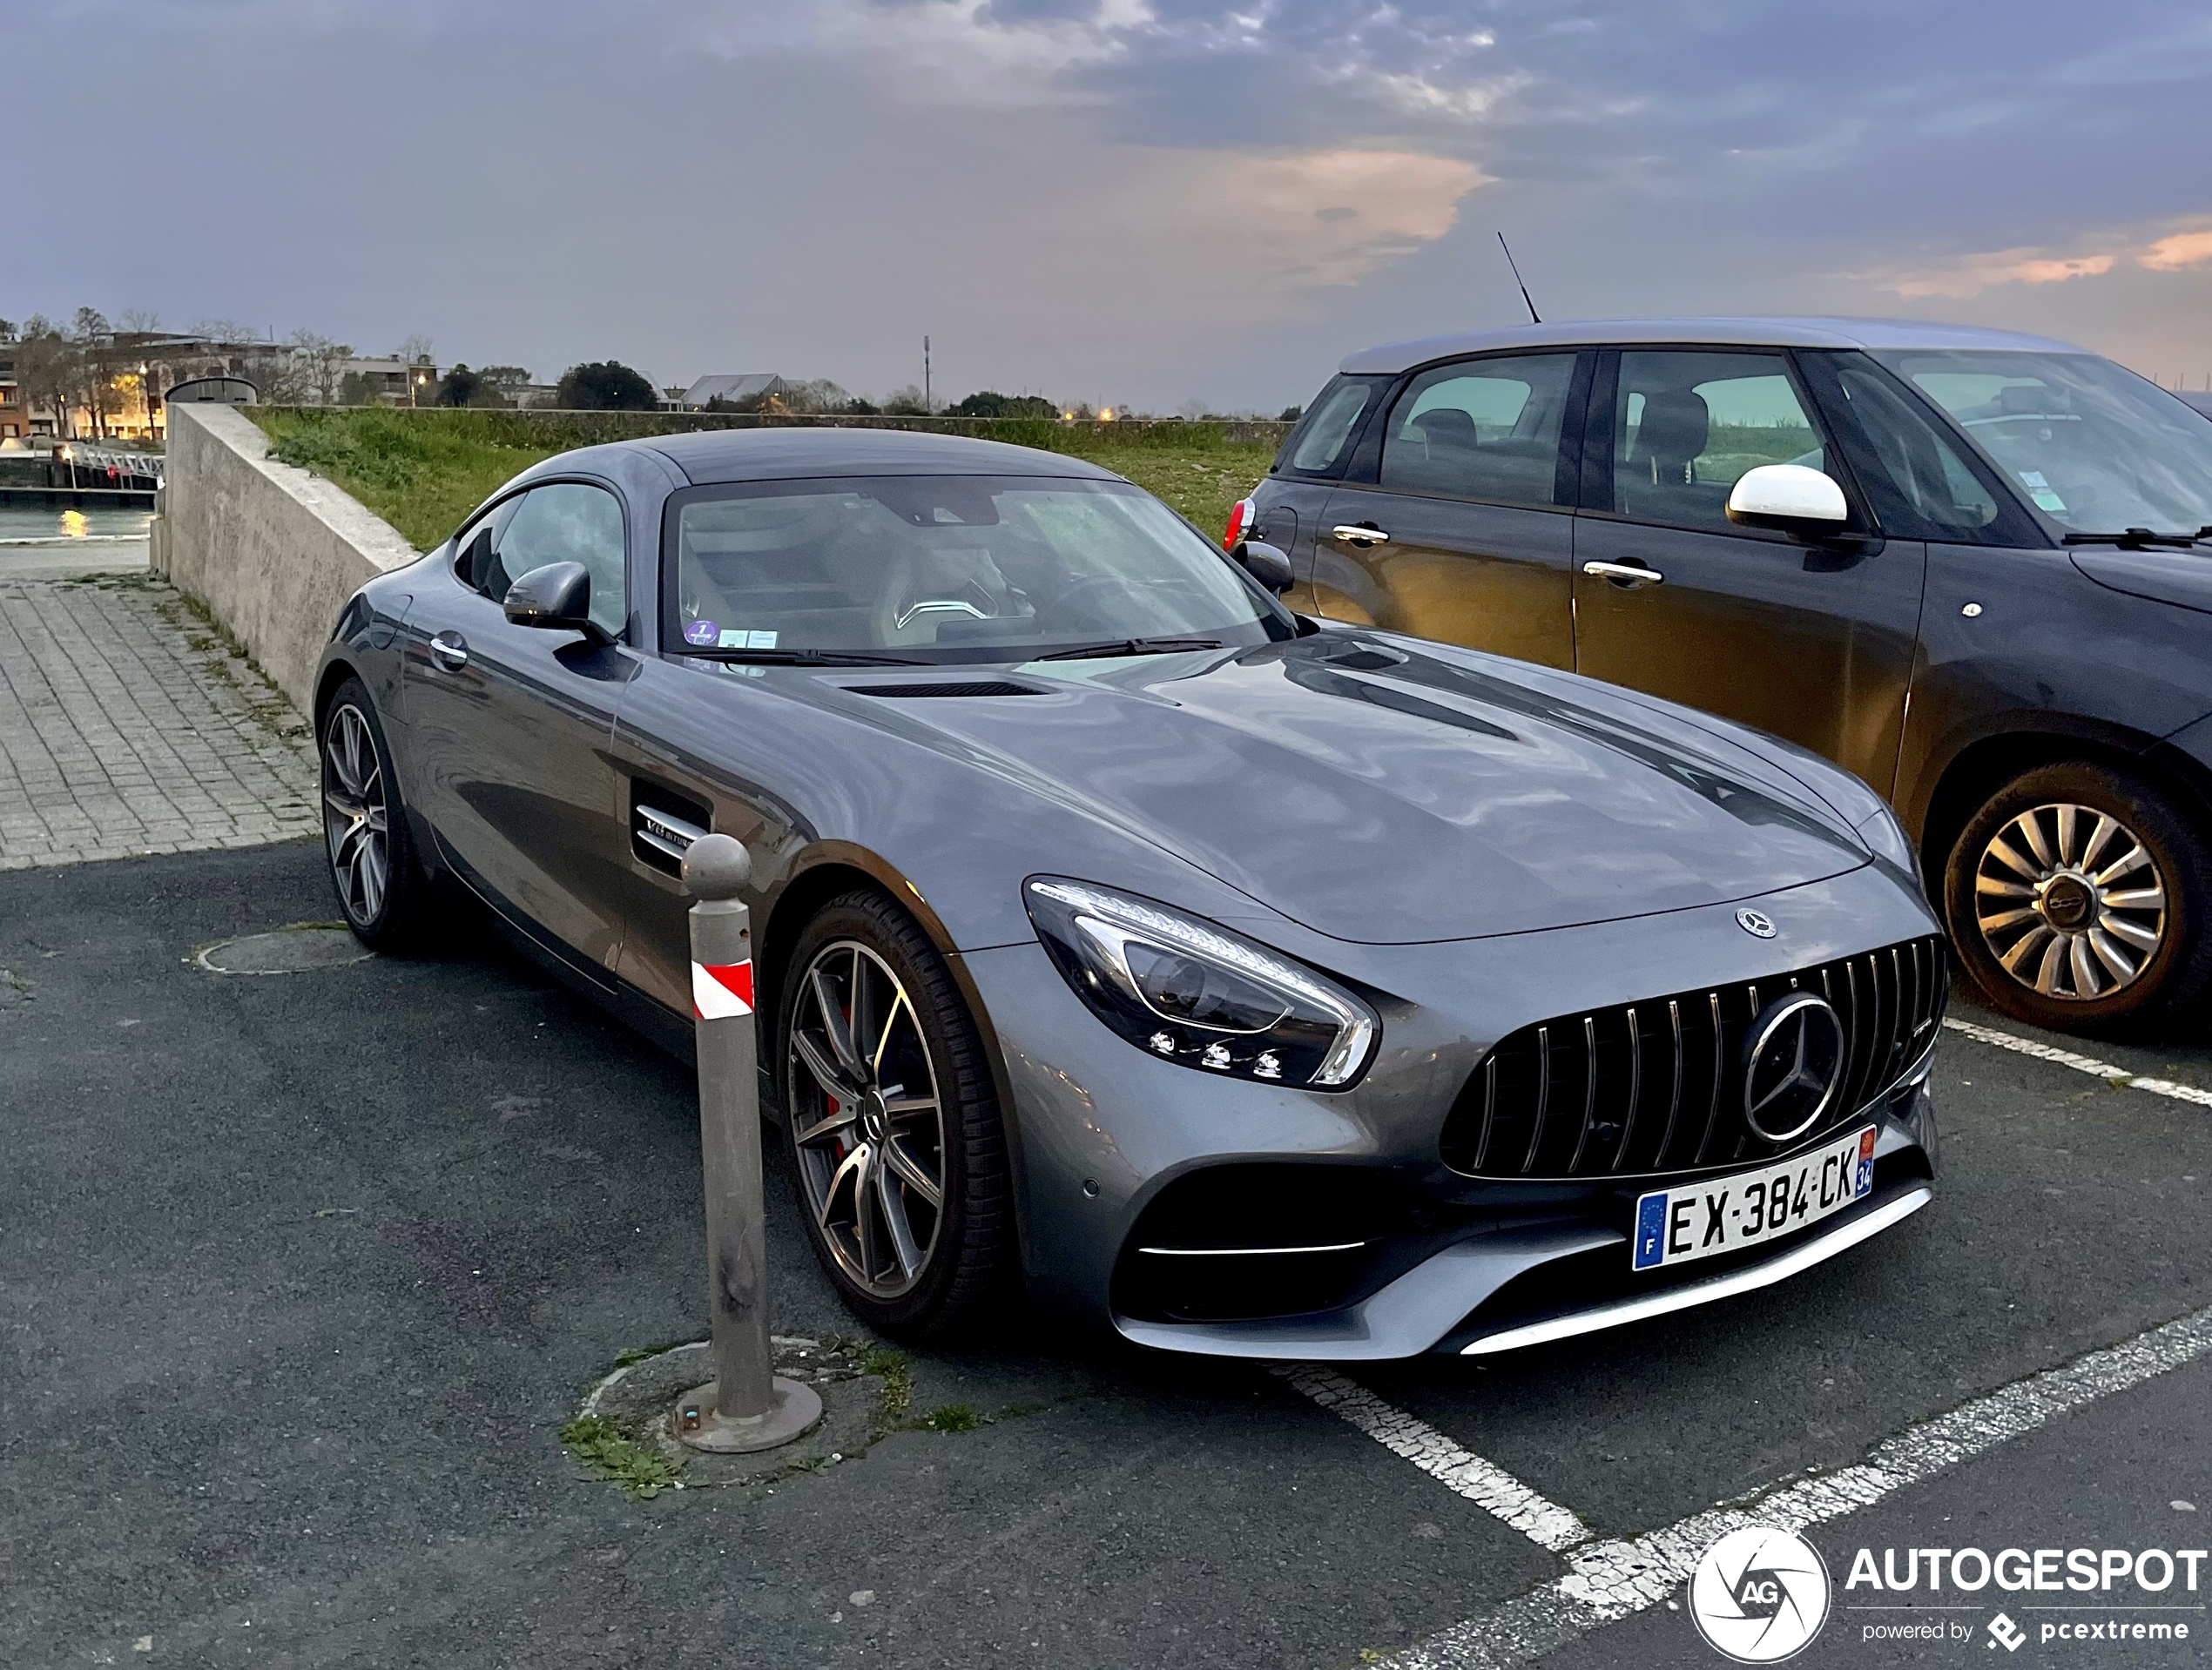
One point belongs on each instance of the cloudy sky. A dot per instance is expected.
(1139, 201)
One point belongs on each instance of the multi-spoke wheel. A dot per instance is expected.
(2073, 898)
(893, 1131)
(2070, 901)
(372, 865)
(356, 812)
(869, 1128)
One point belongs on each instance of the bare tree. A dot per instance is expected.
(138, 321)
(416, 351)
(322, 364)
(46, 369)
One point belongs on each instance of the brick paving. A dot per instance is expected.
(127, 726)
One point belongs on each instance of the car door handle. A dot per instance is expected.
(1628, 574)
(450, 651)
(1351, 536)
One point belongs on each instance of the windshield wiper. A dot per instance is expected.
(1130, 647)
(804, 658)
(2136, 539)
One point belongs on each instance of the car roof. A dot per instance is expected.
(1795, 332)
(768, 455)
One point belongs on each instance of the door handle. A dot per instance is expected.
(1627, 576)
(1351, 536)
(450, 651)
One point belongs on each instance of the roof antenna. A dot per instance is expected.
(1531, 305)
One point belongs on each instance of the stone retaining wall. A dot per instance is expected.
(272, 552)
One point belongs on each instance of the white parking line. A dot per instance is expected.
(1612, 1581)
(1457, 1469)
(2089, 1064)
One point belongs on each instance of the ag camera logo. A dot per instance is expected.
(1759, 1595)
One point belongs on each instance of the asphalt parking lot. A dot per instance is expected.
(301, 1277)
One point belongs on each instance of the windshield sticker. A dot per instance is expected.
(2048, 500)
(703, 633)
(733, 639)
(2033, 478)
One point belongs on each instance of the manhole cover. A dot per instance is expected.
(288, 951)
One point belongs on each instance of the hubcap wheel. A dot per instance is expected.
(867, 1121)
(355, 814)
(2070, 902)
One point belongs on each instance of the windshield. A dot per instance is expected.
(947, 568)
(2097, 448)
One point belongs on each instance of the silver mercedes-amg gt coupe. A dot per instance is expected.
(1254, 985)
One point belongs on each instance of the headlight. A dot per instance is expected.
(1882, 832)
(1197, 995)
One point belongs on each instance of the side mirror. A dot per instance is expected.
(1790, 497)
(557, 596)
(1266, 564)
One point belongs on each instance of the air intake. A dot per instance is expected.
(974, 687)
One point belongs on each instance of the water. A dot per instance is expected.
(33, 523)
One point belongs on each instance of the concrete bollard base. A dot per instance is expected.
(696, 1421)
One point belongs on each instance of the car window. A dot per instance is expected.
(474, 563)
(956, 568)
(1686, 425)
(567, 522)
(1481, 430)
(1321, 441)
(1921, 487)
(2095, 448)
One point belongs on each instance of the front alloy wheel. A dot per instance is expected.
(2075, 900)
(869, 1127)
(898, 1156)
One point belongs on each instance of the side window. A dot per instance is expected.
(567, 522)
(1319, 443)
(1686, 425)
(1481, 430)
(473, 565)
(1921, 487)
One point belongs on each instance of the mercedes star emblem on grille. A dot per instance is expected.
(1791, 1065)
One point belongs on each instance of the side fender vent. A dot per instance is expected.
(662, 825)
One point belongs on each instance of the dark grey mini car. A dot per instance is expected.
(1264, 988)
(1975, 568)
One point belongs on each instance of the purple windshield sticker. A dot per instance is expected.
(702, 632)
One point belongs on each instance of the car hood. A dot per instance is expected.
(1378, 792)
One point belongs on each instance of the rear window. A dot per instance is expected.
(1320, 444)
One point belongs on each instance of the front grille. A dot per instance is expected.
(1657, 1085)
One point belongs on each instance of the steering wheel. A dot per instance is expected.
(1067, 608)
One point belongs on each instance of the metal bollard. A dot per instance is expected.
(747, 1406)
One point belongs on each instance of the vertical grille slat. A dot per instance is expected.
(1635, 1090)
(1514, 1116)
(1590, 1092)
(1543, 1096)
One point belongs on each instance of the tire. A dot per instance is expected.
(367, 846)
(863, 1157)
(2077, 899)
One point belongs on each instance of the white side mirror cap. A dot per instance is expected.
(1786, 495)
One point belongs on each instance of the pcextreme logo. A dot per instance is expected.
(1759, 1595)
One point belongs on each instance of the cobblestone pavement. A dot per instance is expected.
(127, 726)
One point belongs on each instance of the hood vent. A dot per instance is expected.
(974, 687)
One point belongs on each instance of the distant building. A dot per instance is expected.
(15, 414)
(734, 388)
(388, 381)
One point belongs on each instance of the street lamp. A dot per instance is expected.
(145, 394)
(414, 395)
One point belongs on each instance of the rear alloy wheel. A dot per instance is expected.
(371, 864)
(2076, 900)
(895, 1141)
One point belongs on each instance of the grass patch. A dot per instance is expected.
(424, 471)
(889, 1366)
(951, 1417)
(599, 1445)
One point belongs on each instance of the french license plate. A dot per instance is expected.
(1721, 1215)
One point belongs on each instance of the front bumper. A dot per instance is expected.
(1396, 1254)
